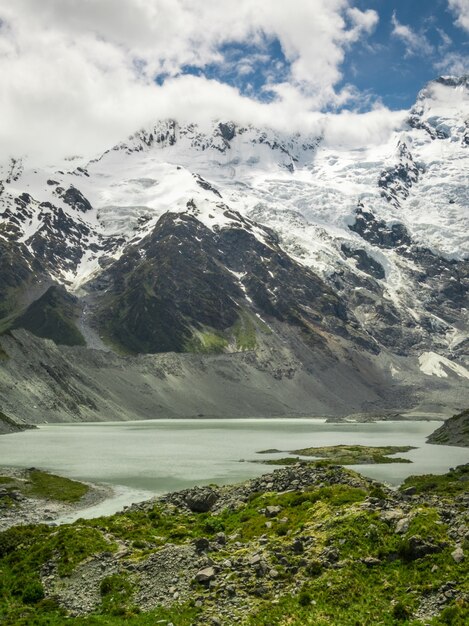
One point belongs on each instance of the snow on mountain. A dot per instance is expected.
(435, 365)
(381, 224)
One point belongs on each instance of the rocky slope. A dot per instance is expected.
(234, 239)
(8, 425)
(45, 382)
(454, 432)
(307, 544)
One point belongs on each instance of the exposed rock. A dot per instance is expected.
(417, 548)
(402, 526)
(201, 499)
(205, 575)
(272, 511)
(202, 544)
(458, 555)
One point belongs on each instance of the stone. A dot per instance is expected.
(201, 499)
(220, 538)
(201, 544)
(458, 555)
(402, 525)
(391, 515)
(205, 575)
(298, 546)
(418, 548)
(272, 511)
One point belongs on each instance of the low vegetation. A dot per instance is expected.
(455, 482)
(343, 551)
(207, 343)
(39, 484)
(454, 432)
(53, 316)
(344, 455)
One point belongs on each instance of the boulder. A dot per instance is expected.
(205, 575)
(458, 555)
(201, 499)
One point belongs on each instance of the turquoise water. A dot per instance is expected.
(141, 459)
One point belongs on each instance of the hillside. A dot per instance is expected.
(454, 432)
(311, 545)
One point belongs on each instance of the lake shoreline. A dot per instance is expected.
(129, 462)
(355, 418)
(18, 509)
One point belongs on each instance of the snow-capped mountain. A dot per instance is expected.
(184, 238)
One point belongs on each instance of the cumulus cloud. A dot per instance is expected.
(461, 9)
(355, 130)
(78, 76)
(415, 43)
(453, 63)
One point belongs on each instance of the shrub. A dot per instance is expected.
(33, 592)
(304, 598)
(400, 612)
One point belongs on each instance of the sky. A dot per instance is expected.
(77, 76)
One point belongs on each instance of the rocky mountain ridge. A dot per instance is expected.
(235, 239)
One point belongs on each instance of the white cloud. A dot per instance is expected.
(461, 9)
(356, 130)
(78, 76)
(415, 43)
(453, 63)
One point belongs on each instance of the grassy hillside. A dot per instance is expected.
(301, 546)
(454, 432)
(53, 316)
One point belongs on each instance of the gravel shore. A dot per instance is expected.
(18, 509)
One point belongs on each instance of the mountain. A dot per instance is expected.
(327, 280)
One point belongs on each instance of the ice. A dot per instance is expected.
(304, 189)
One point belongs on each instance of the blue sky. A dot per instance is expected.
(387, 69)
(86, 75)
(384, 66)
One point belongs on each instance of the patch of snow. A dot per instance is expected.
(433, 364)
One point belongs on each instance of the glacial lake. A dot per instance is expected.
(142, 459)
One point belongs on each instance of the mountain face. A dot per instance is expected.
(247, 241)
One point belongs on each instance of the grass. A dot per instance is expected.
(287, 460)
(308, 590)
(244, 332)
(344, 455)
(39, 484)
(455, 482)
(207, 342)
(45, 485)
